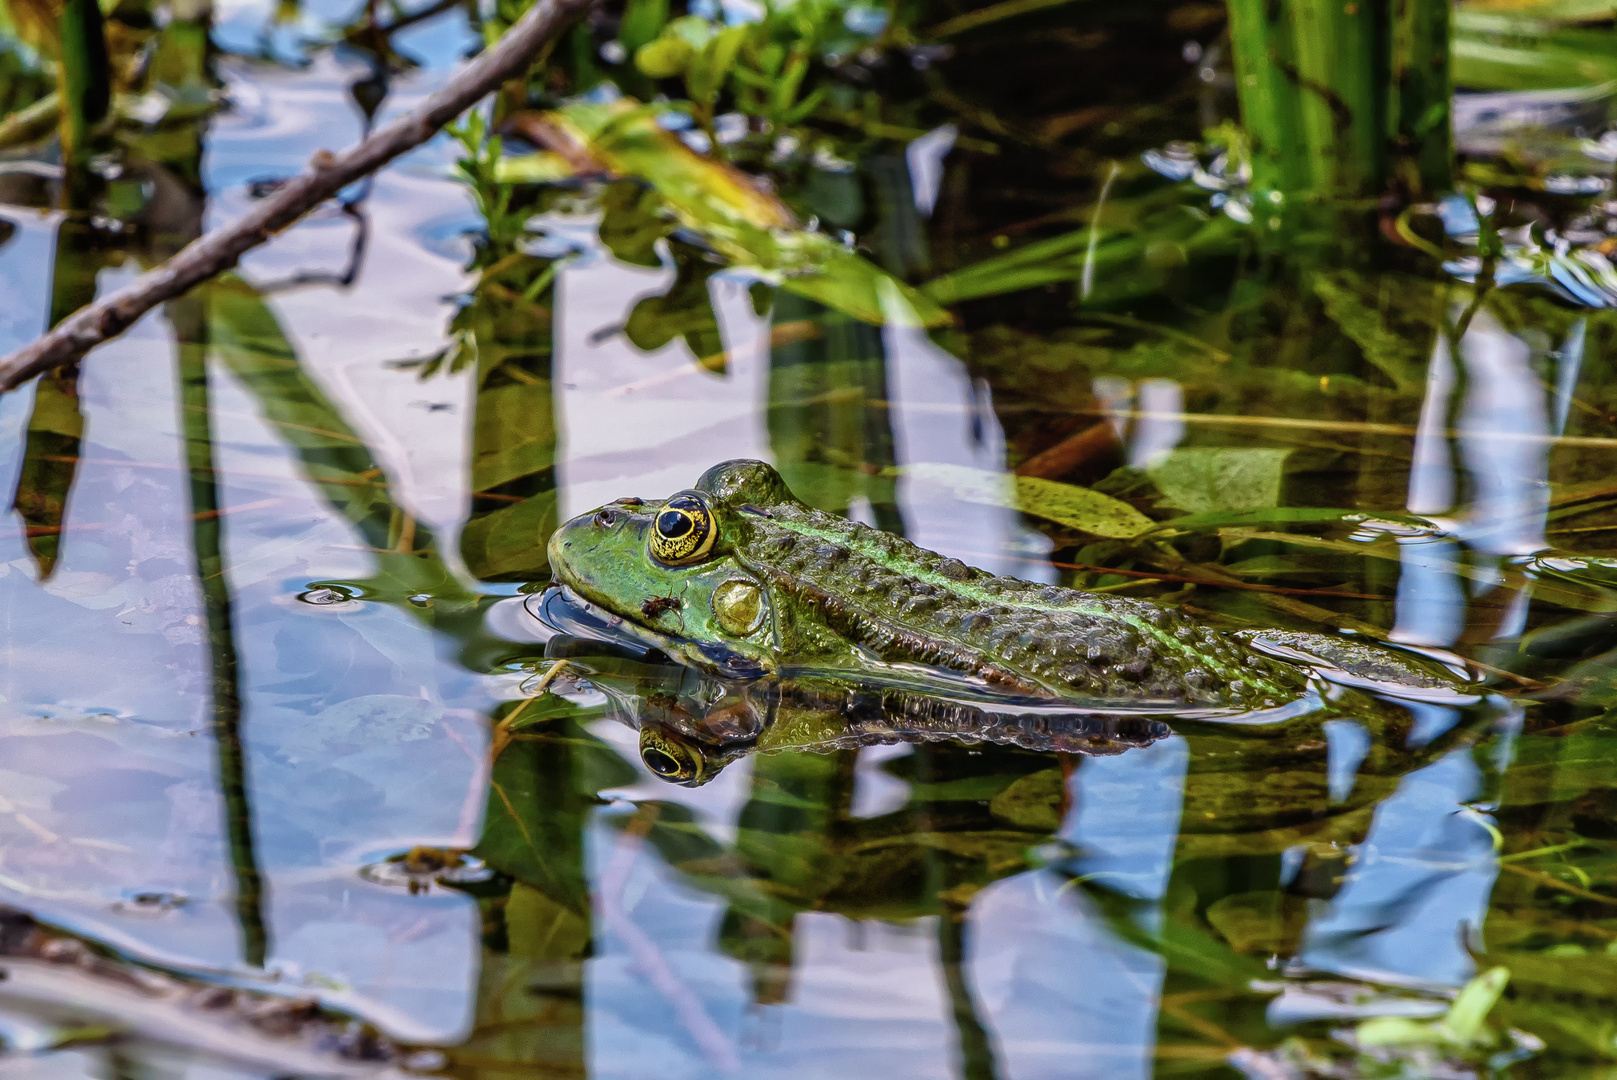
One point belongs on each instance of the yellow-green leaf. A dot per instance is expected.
(664, 58)
(1080, 508)
(1066, 504)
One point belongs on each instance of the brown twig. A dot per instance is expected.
(328, 174)
(1057, 461)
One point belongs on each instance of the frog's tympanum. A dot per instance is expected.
(739, 579)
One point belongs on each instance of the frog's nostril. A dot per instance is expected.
(606, 518)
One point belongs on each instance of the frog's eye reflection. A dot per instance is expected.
(683, 532)
(660, 762)
(665, 753)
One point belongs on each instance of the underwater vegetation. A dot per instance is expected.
(1287, 316)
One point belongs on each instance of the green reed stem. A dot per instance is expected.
(83, 75)
(1261, 44)
(1345, 98)
(1423, 80)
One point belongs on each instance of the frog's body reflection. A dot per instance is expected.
(692, 725)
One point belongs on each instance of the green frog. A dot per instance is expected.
(740, 579)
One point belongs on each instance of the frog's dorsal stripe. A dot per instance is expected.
(898, 598)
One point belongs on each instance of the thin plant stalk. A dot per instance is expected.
(83, 83)
(207, 542)
(1422, 127)
(976, 1043)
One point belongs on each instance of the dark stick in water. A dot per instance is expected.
(328, 174)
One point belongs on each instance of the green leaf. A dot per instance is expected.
(706, 74)
(1080, 508)
(1391, 321)
(515, 434)
(1066, 504)
(1207, 479)
(642, 21)
(633, 219)
(694, 30)
(541, 168)
(1498, 51)
(511, 540)
(1470, 1009)
(1262, 922)
(1032, 802)
(51, 447)
(244, 333)
(664, 58)
(539, 928)
(852, 284)
(1397, 1031)
(1119, 264)
(541, 794)
(1489, 244)
(684, 311)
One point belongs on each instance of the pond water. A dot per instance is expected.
(278, 712)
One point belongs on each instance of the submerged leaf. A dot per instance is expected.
(1394, 334)
(1208, 479)
(511, 540)
(1066, 504)
(1080, 508)
(45, 480)
(1034, 802)
(684, 311)
(1119, 265)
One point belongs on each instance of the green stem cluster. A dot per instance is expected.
(1345, 97)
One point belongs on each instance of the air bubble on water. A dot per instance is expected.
(151, 903)
(1567, 184)
(325, 596)
(424, 1061)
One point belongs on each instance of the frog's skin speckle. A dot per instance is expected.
(841, 594)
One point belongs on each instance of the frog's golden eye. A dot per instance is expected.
(682, 533)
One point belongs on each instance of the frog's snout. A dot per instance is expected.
(594, 543)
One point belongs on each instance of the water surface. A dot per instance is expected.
(264, 666)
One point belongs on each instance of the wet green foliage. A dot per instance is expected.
(1307, 353)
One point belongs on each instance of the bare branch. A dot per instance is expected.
(328, 174)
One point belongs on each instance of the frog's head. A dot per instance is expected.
(669, 569)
